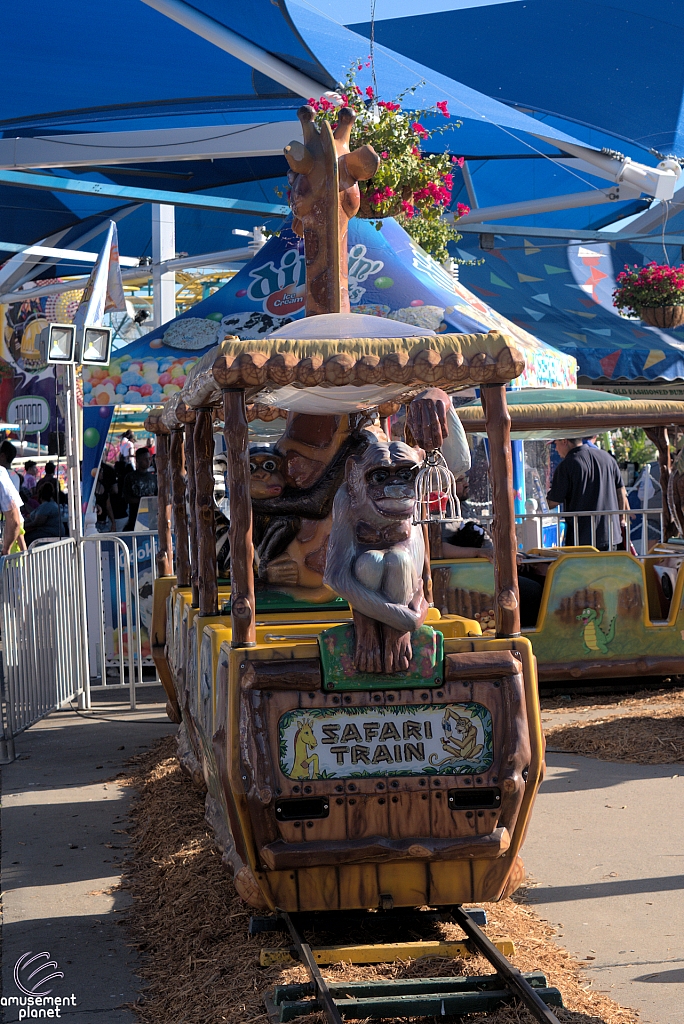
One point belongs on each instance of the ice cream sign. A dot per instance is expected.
(409, 739)
(280, 289)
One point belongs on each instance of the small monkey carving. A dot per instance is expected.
(376, 554)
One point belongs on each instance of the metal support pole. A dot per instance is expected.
(163, 249)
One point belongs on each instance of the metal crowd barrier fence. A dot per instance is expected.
(44, 658)
(120, 569)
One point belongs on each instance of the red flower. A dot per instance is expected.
(420, 131)
(409, 209)
(389, 106)
(369, 92)
(442, 107)
(384, 154)
(462, 209)
(415, 151)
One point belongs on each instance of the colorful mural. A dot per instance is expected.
(389, 276)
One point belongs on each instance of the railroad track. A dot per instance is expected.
(383, 999)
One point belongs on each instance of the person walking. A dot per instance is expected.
(140, 484)
(127, 447)
(46, 520)
(10, 502)
(587, 480)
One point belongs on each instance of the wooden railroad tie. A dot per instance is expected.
(390, 998)
(381, 952)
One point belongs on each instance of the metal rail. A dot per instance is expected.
(614, 534)
(507, 972)
(390, 998)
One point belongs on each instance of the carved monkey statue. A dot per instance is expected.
(375, 555)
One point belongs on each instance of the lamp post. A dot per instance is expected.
(69, 345)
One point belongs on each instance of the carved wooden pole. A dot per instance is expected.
(192, 501)
(659, 437)
(165, 551)
(324, 194)
(204, 510)
(507, 597)
(242, 601)
(180, 511)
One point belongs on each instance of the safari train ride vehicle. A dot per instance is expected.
(604, 613)
(360, 748)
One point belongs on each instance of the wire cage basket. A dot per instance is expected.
(436, 498)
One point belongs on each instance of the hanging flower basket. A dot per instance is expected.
(654, 292)
(666, 317)
(413, 186)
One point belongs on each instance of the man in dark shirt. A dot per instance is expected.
(587, 480)
(142, 483)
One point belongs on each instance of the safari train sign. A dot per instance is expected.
(409, 739)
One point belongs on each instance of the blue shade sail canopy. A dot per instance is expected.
(154, 74)
(614, 64)
(563, 292)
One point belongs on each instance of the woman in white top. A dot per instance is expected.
(127, 447)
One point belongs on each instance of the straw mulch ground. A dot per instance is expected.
(199, 966)
(644, 728)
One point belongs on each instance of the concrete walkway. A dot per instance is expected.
(605, 847)
(61, 854)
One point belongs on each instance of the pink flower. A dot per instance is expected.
(420, 131)
(442, 107)
(369, 92)
(462, 209)
(384, 154)
(389, 106)
(415, 151)
(314, 104)
(409, 209)
(458, 160)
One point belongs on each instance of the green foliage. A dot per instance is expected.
(413, 186)
(630, 444)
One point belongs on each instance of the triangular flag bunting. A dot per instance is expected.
(579, 337)
(466, 255)
(529, 248)
(585, 253)
(543, 298)
(536, 313)
(580, 287)
(555, 270)
(654, 356)
(578, 312)
(526, 277)
(497, 280)
(483, 291)
(603, 330)
(608, 363)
